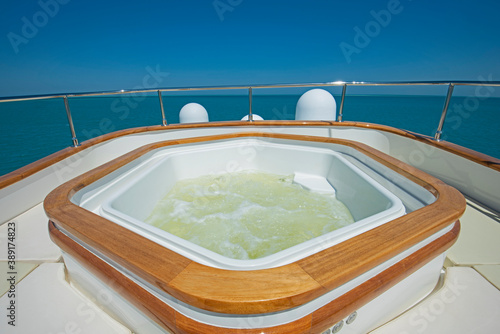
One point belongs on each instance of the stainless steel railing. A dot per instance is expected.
(70, 121)
(437, 135)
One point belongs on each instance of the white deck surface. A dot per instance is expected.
(467, 303)
(46, 303)
(491, 273)
(479, 243)
(32, 241)
(480, 232)
(22, 270)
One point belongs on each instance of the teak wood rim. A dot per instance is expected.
(258, 291)
(43, 163)
(315, 322)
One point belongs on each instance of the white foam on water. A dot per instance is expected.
(247, 215)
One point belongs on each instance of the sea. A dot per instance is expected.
(31, 130)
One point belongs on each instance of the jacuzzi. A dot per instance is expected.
(391, 255)
(128, 200)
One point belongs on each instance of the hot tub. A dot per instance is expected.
(99, 219)
(129, 200)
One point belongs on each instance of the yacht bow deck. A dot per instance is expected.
(466, 300)
(41, 282)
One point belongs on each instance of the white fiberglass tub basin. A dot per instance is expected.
(128, 197)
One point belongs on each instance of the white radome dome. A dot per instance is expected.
(316, 104)
(193, 113)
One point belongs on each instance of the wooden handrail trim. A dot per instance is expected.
(283, 287)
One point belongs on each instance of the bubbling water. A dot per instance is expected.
(248, 214)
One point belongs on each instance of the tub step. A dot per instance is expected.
(314, 183)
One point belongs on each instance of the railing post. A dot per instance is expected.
(163, 118)
(439, 130)
(250, 114)
(70, 121)
(341, 109)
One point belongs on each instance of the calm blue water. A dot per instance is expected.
(31, 130)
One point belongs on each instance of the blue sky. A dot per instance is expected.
(53, 46)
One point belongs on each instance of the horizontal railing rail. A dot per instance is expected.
(250, 88)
